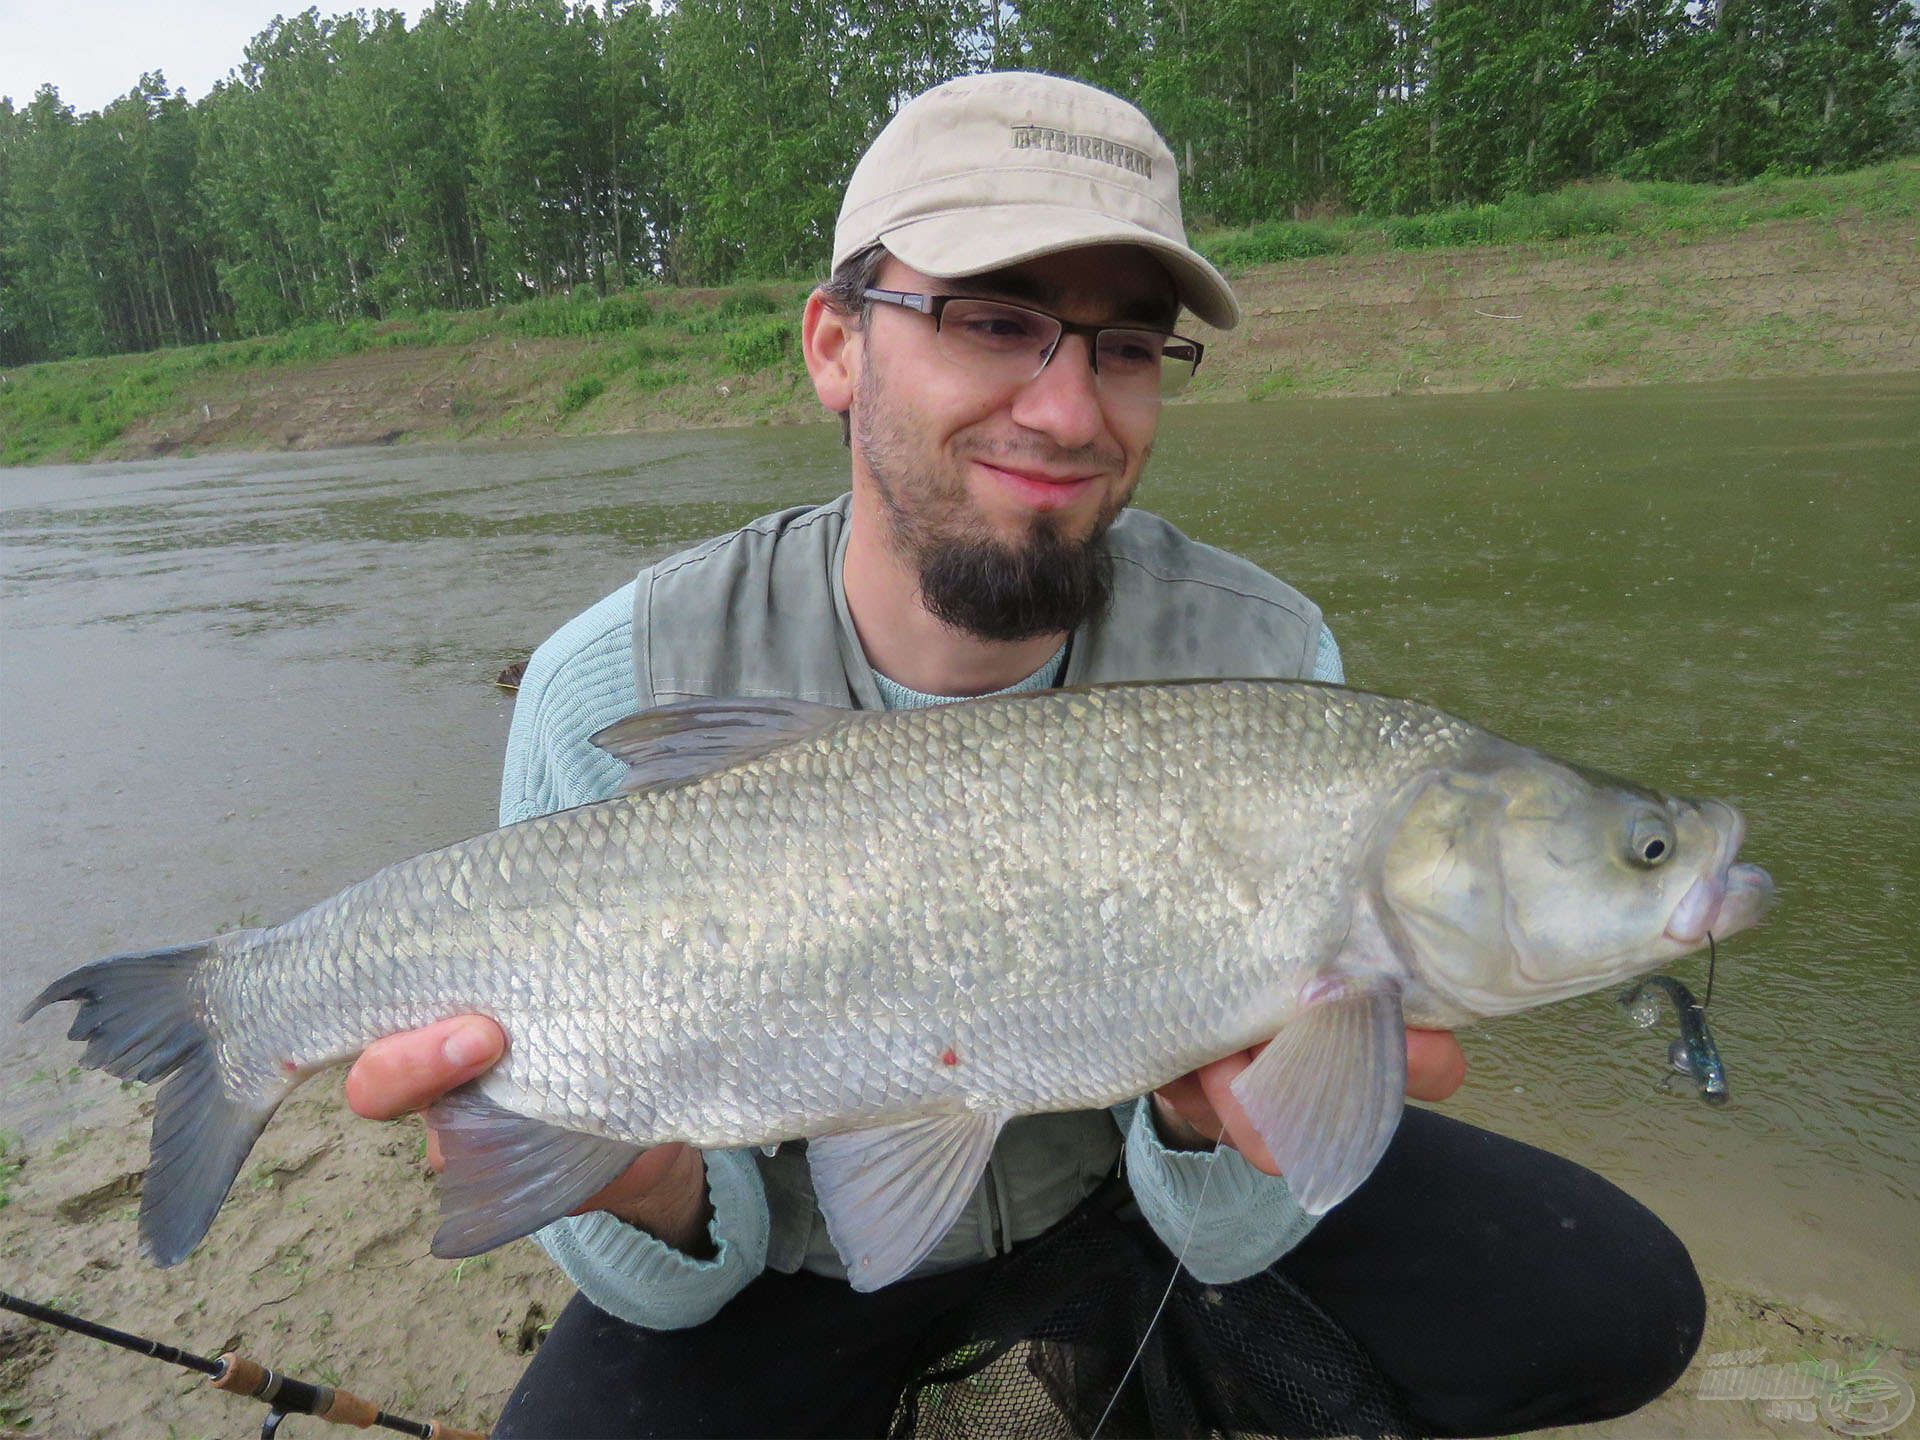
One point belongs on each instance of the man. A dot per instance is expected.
(998, 332)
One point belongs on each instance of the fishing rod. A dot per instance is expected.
(238, 1375)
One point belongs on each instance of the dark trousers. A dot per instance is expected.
(1499, 1287)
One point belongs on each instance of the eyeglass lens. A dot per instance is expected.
(1014, 342)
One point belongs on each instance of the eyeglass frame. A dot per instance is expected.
(932, 305)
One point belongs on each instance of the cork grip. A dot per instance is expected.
(239, 1374)
(343, 1407)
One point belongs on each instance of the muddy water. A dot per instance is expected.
(230, 686)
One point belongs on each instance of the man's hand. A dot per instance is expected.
(664, 1192)
(1198, 1109)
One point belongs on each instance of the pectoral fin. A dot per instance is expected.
(1326, 1094)
(507, 1174)
(891, 1194)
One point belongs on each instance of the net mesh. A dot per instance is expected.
(1042, 1349)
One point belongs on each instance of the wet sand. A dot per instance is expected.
(318, 1266)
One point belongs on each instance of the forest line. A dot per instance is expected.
(354, 167)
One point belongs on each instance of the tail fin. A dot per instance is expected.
(140, 1019)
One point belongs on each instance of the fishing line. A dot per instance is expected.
(1713, 959)
(1179, 1260)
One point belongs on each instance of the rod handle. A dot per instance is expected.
(239, 1374)
(343, 1407)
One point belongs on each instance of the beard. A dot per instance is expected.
(1043, 582)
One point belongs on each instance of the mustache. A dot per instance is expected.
(1037, 452)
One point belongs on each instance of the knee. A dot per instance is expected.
(1634, 1330)
(1665, 1314)
(1606, 1331)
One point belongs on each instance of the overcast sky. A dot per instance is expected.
(94, 50)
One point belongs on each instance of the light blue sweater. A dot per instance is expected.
(582, 680)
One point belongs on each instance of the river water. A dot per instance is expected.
(230, 686)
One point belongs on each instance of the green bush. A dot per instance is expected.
(1270, 243)
(582, 313)
(743, 303)
(758, 347)
(635, 355)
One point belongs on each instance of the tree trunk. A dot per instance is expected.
(613, 171)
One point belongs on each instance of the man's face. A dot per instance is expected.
(1000, 494)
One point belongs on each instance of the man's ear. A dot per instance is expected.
(828, 340)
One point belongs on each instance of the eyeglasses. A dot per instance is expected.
(1011, 344)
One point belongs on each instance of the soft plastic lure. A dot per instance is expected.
(1692, 1052)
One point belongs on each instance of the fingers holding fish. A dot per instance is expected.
(664, 1190)
(409, 1071)
(1237, 1129)
(1436, 1065)
(1198, 1111)
(1190, 1119)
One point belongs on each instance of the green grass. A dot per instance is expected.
(1617, 208)
(577, 394)
(10, 1163)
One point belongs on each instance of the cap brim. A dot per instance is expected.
(961, 243)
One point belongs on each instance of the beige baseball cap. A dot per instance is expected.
(990, 170)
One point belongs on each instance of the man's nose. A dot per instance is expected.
(1063, 400)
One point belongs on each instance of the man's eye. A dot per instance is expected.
(996, 327)
(1130, 351)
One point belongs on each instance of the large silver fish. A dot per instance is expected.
(893, 932)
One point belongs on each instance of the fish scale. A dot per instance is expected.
(888, 932)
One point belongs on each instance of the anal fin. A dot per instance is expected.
(890, 1194)
(507, 1174)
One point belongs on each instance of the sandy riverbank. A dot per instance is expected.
(318, 1265)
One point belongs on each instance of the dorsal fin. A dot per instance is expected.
(682, 742)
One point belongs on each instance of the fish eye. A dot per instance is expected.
(1651, 842)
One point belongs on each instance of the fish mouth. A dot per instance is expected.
(1728, 897)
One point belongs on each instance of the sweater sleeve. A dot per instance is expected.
(1240, 1220)
(580, 680)
(1327, 664)
(1227, 1227)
